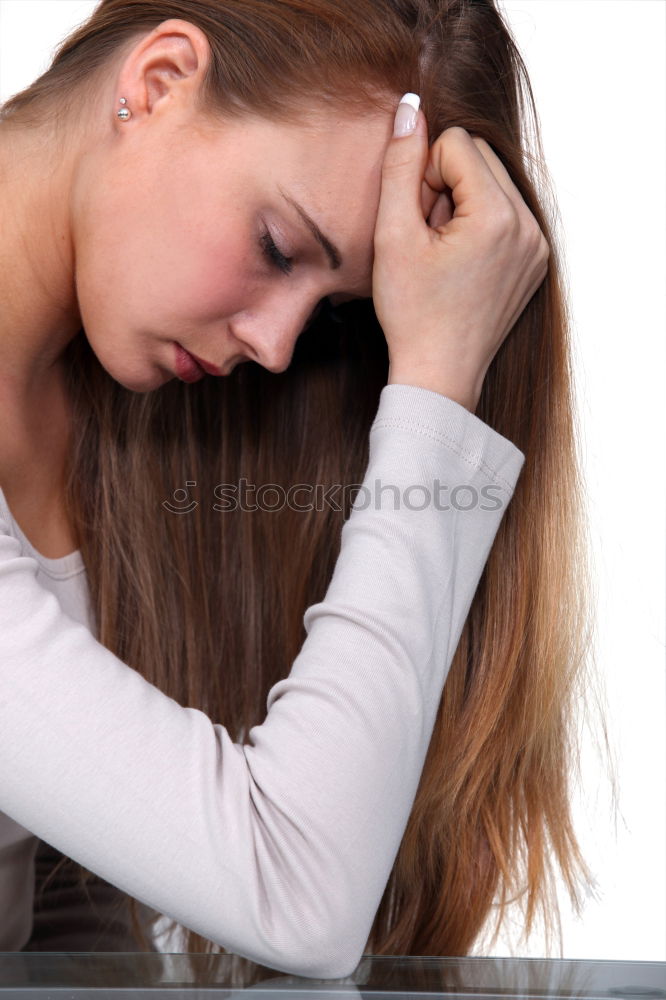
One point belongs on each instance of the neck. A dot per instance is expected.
(38, 308)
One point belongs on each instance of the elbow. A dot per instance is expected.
(329, 961)
(335, 950)
(328, 949)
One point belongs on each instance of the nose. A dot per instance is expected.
(270, 333)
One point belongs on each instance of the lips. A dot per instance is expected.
(206, 365)
(186, 367)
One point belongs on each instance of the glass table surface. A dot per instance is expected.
(77, 975)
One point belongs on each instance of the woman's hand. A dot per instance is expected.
(447, 293)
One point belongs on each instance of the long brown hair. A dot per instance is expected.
(208, 606)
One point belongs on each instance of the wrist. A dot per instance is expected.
(464, 393)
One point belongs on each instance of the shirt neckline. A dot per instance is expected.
(60, 568)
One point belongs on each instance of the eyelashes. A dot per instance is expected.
(286, 266)
(271, 251)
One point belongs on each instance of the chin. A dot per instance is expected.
(130, 365)
(144, 386)
(146, 380)
(140, 375)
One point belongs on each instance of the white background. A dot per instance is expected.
(597, 69)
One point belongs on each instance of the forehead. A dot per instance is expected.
(327, 146)
(331, 162)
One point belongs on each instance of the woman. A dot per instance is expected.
(197, 179)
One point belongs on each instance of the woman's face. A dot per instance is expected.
(184, 232)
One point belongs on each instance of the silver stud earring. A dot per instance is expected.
(124, 113)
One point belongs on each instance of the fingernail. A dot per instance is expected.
(406, 115)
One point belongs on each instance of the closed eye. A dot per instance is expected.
(272, 252)
(286, 265)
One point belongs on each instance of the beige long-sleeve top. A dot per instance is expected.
(279, 849)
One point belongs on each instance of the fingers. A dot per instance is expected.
(499, 171)
(467, 168)
(437, 207)
(456, 162)
(503, 178)
(442, 211)
(400, 202)
(428, 199)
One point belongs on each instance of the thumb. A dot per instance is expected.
(400, 212)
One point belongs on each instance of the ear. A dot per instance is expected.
(165, 66)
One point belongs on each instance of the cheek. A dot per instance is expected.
(208, 264)
(141, 272)
(214, 279)
(125, 257)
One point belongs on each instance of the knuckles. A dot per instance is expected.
(502, 219)
(537, 243)
(544, 249)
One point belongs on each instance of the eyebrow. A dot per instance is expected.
(332, 252)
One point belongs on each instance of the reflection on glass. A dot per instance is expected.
(81, 973)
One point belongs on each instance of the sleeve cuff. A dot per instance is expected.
(435, 416)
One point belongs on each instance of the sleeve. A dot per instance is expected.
(280, 849)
